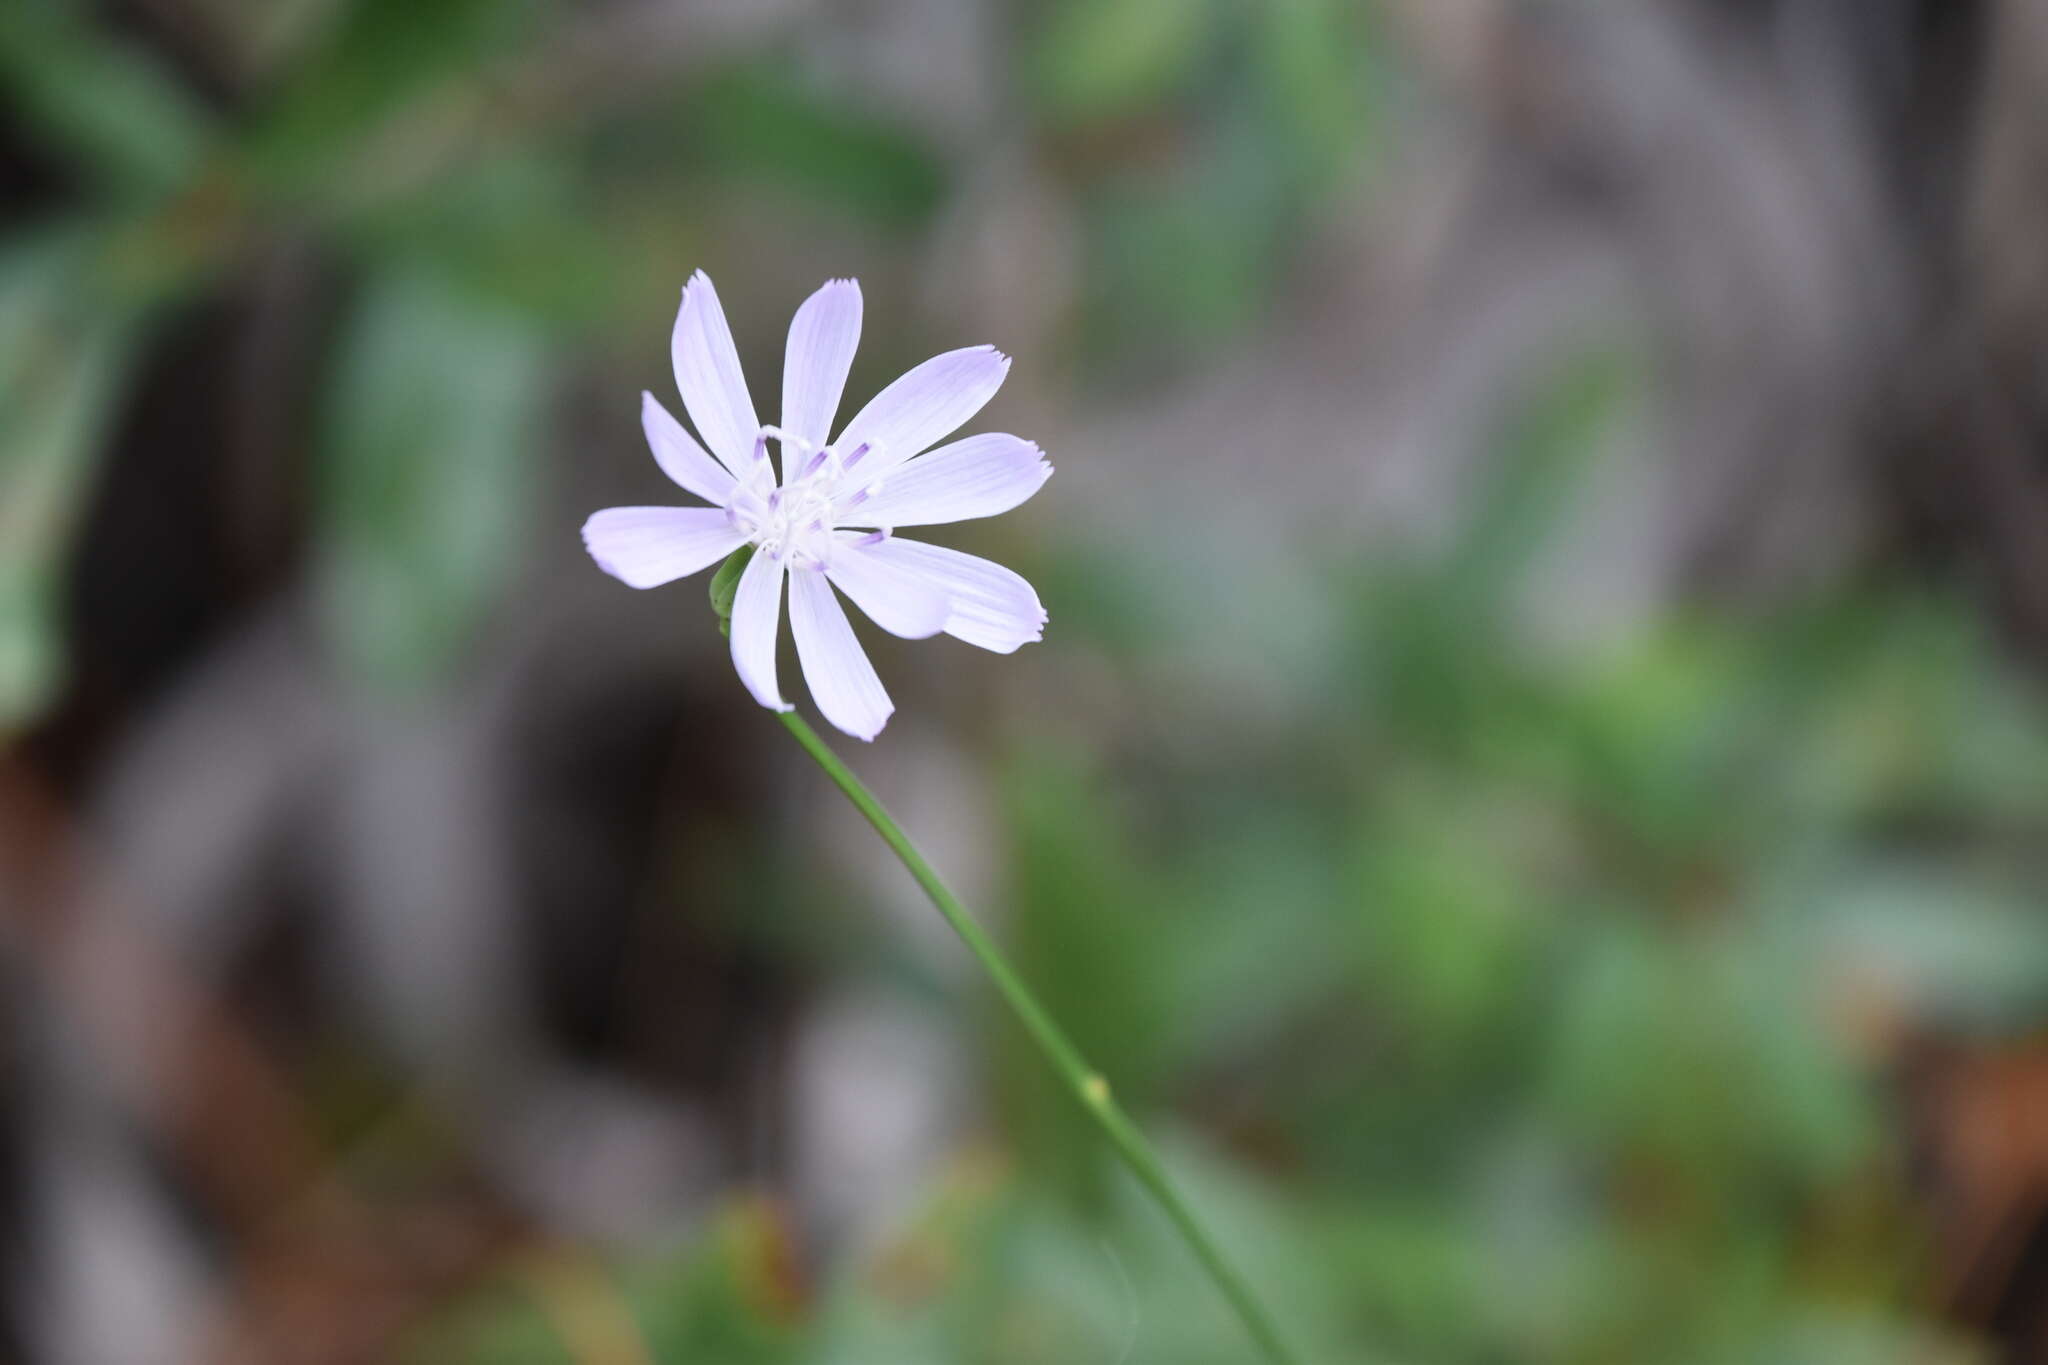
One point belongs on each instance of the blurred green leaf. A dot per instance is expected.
(1445, 933)
(1186, 260)
(1244, 926)
(1651, 1011)
(739, 1298)
(381, 59)
(760, 125)
(66, 343)
(108, 106)
(431, 426)
(734, 1296)
(995, 1273)
(1084, 927)
(511, 225)
(1095, 59)
(1546, 438)
(1317, 63)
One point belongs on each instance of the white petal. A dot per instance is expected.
(679, 455)
(756, 621)
(836, 668)
(977, 477)
(822, 340)
(893, 597)
(992, 607)
(708, 375)
(925, 406)
(644, 547)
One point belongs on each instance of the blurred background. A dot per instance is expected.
(1535, 789)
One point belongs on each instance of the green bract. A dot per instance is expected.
(725, 584)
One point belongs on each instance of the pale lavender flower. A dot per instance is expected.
(829, 518)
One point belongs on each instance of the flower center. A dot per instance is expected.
(795, 519)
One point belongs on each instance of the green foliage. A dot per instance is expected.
(755, 124)
(507, 225)
(735, 1298)
(1065, 872)
(431, 427)
(1190, 203)
(1550, 433)
(111, 111)
(66, 339)
(1561, 1059)
(1540, 968)
(380, 61)
(1099, 58)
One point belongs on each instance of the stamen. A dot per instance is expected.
(853, 457)
(787, 438)
(875, 537)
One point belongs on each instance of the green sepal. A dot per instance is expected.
(725, 585)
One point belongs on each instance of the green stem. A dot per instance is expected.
(1087, 1084)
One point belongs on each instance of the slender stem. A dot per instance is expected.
(1086, 1083)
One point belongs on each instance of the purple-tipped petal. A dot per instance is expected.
(836, 668)
(925, 406)
(894, 598)
(708, 376)
(822, 340)
(756, 621)
(991, 606)
(644, 547)
(679, 455)
(978, 477)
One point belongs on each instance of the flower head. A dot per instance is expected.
(827, 517)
